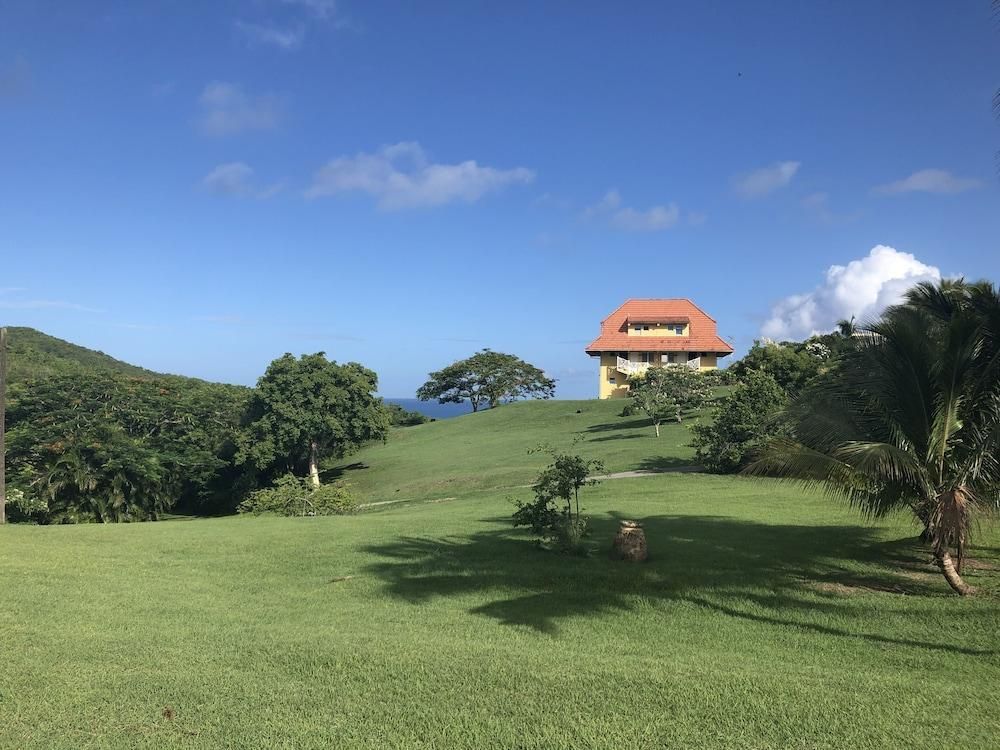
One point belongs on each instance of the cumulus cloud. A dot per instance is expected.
(272, 36)
(401, 176)
(226, 109)
(862, 288)
(929, 181)
(652, 219)
(766, 180)
(237, 178)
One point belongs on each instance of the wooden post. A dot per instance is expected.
(3, 425)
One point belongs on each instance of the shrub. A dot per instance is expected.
(745, 420)
(551, 515)
(295, 496)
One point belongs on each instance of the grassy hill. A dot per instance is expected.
(490, 449)
(767, 616)
(31, 353)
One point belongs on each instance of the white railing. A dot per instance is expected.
(637, 368)
(631, 368)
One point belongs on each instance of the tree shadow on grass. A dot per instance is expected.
(626, 423)
(668, 464)
(805, 577)
(341, 472)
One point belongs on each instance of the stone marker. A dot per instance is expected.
(630, 543)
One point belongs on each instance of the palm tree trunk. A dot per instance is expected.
(951, 575)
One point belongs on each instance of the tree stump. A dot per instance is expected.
(630, 543)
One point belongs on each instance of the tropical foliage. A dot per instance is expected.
(910, 418)
(296, 496)
(307, 409)
(667, 393)
(487, 378)
(745, 420)
(554, 513)
(106, 446)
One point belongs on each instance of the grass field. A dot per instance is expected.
(768, 617)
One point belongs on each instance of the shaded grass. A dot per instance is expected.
(766, 618)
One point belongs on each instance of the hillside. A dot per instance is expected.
(493, 449)
(767, 617)
(31, 353)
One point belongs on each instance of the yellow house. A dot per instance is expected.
(645, 333)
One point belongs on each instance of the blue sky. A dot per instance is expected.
(200, 187)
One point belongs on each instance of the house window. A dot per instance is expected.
(664, 359)
(642, 328)
(611, 376)
(679, 330)
(646, 357)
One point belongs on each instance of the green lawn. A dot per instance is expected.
(490, 450)
(767, 617)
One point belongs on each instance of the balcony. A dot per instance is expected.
(638, 368)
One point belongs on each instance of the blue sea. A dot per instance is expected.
(432, 409)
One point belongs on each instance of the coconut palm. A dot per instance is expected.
(910, 419)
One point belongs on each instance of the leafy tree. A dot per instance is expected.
(788, 363)
(487, 378)
(400, 417)
(910, 419)
(106, 446)
(744, 422)
(554, 514)
(308, 409)
(663, 393)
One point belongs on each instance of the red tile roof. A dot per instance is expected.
(614, 329)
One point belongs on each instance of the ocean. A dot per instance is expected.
(432, 409)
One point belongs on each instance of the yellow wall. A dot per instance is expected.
(608, 366)
(659, 330)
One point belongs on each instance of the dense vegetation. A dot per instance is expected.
(909, 418)
(94, 439)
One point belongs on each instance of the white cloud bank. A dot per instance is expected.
(226, 110)
(401, 176)
(652, 219)
(237, 178)
(763, 181)
(929, 181)
(862, 288)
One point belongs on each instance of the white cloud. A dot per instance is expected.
(862, 288)
(237, 178)
(226, 109)
(400, 176)
(652, 219)
(766, 180)
(269, 35)
(323, 9)
(929, 181)
(19, 302)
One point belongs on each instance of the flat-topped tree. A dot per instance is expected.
(307, 409)
(487, 378)
(663, 393)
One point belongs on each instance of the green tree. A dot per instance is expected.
(663, 393)
(308, 409)
(788, 363)
(107, 446)
(910, 419)
(745, 420)
(554, 514)
(487, 378)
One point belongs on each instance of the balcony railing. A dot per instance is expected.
(637, 368)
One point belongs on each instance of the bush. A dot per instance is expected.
(400, 417)
(745, 420)
(551, 514)
(295, 496)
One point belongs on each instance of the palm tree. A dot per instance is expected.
(910, 419)
(847, 328)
